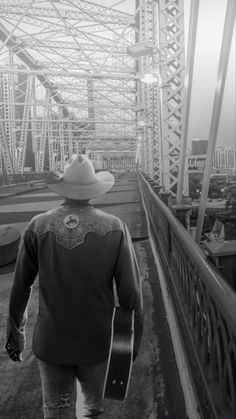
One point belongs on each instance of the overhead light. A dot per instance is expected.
(141, 123)
(140, 49)
(149, 78)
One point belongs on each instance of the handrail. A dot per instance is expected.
(219, 287)
(205, 307)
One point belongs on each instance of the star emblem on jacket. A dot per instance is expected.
(71, 221)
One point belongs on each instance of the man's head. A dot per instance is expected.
(79, 180)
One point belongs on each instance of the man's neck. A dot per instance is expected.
(76, 202)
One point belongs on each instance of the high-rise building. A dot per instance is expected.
(224, 158)
(223, 161)
(199, 146)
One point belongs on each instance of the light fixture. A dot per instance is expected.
(149, 78)
(141, 49)
(141, 123)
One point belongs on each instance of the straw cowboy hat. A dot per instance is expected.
(79, 180)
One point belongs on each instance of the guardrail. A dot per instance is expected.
(205, 306)
(17, 178)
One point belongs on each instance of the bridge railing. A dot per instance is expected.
(18, 178)
(205, 306)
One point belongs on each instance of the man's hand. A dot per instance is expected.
(13, 354)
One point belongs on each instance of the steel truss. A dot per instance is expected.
(171, 42)
(162, 23)
(149, 95)
(74, 53)
(78, 82)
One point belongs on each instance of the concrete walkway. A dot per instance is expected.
(155, 389)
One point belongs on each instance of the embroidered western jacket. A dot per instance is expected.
(78, 252)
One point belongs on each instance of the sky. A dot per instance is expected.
(209, 37)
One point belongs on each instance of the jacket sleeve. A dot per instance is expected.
(128, 285)
(25, 272)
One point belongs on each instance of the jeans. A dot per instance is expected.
(64, 386)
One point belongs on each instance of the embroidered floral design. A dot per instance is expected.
(71, 221)
(70, 229)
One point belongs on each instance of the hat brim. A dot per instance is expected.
(104, 182)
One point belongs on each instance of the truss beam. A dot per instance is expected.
(171, 36)
(75, 53)
(41, 75)
(24, 127)
(27, 59)
(5, 151)
(85, 12)
(150, 135)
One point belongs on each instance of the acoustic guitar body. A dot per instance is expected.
(121, 355)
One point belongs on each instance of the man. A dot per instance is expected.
(77, 251)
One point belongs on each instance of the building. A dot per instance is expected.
(223, 161)
(224, 158)
(199, 146)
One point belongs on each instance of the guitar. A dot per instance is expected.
(120, 356)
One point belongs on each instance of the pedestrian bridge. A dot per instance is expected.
(121, 81)
(186, 365)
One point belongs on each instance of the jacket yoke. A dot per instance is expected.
(71, 225)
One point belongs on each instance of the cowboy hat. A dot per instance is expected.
(79, 180)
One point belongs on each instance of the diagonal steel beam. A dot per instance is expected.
(27, 59)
